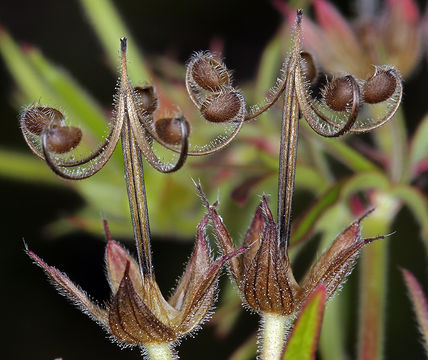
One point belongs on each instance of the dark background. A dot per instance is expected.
(37, 322)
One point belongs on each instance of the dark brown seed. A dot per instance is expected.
(222, 107)
(63, 139)
(35, 119)
(146, 98)
(209, 74)
(379, 87)
(309, 69)
(169, 129)
(338, 94)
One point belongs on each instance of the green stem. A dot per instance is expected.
(374, 278)
(274, 330)
(160, 351)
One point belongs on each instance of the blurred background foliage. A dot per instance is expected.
(66, 54)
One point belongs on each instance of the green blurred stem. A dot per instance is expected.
(373, 280)
(391, 138)
(159, 351)
(274, 329)
(333, 339)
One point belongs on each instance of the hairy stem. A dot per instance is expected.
(161, 351)
(137, 197)
(133, 163)
(274, 330)
(287, 160)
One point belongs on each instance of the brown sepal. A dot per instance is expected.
(268, 284)
(336, 263)
(132, 321)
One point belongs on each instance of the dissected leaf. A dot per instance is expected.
(303, 227)
(303, 339)
(341, 151)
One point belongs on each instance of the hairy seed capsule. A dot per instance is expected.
(379, 87)
(35, 119)
(338, 94)
(169, 129)
(209, 74)
(63, 139)
(222, 107)
(146, 98)
(309, 69)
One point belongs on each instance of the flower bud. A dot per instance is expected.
(379, 87)
(338, 94)
(169, 129)
(35, 119)
(222, 107)
(63, 139)
(209, 74)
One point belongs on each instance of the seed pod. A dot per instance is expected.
(169, 129)
(35, 119)
(209, 74)
(379, 87)
(222, 107)
(338, 94)
(63, 139)
(309, 69)
(146, 98)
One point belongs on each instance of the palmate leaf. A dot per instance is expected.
(340, 150)
(303, 339)
(420, 304)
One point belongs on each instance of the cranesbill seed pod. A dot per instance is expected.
(146, 98)
(338, 94)
(222, 107)
(35, 119)
(169, 129)
(309, 69)
(379, 87)
(209, 74)
(63, 139)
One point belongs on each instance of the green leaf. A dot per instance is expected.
(303, 227)
(417, 202)
(419, 302)
(84, 110)
(25, 75)
(303, 339)
(19, 166)
(109, 28)
(419, 145)
(247, 350)
(340, 150)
